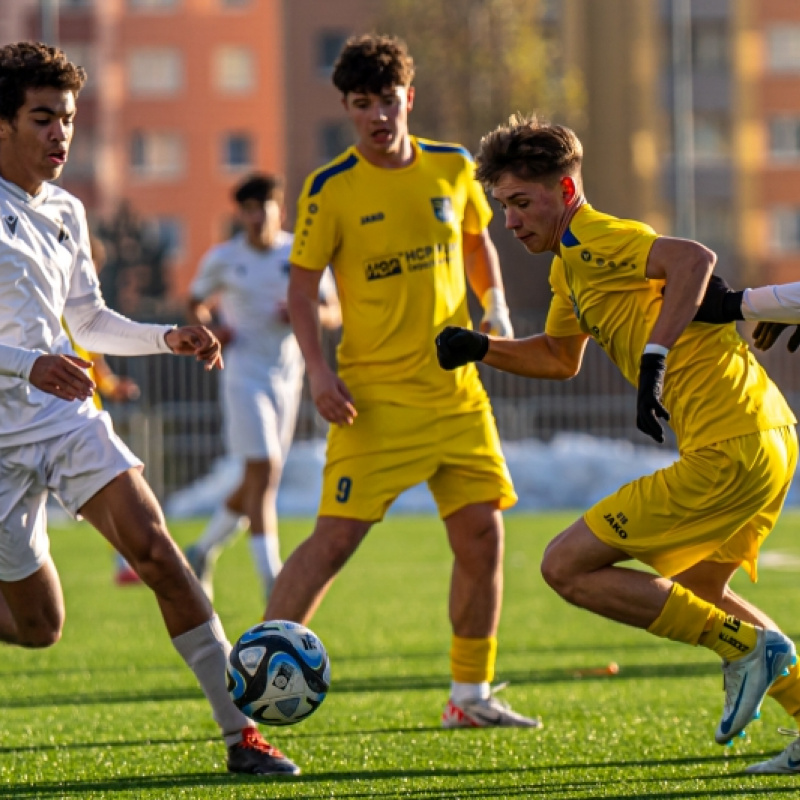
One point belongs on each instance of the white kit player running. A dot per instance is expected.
(53, 440)
(262, 385)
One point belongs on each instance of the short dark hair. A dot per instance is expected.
(530, 149)
(371, 63)
(259, 187)
(33, 65)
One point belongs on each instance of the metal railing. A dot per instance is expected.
(176, 425)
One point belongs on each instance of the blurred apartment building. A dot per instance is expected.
(745, 86)
(187, 96)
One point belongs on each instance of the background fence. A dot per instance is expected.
(176, 425)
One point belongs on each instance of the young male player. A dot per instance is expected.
(52, 437)
(264, 379)
(699, 520)
(400, 220)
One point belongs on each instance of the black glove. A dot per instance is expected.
(648, 400)
(458, 346)
(766, 334)
(720, 303)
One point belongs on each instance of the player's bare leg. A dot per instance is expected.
(583, 570)
(32, 609)
(477, 539)
(127, 513)
(710, 579)
(311, 568)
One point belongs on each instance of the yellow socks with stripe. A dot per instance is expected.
(473, 660)
(687, 618)
(786, 690)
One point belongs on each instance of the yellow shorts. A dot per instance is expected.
(390, 448)
(718, 504)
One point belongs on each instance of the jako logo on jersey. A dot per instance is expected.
(11, 222)
(616, 524)
(382, 268)
(372, 218)
(63, 234)
(443, 209)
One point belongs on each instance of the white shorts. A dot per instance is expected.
(261, 414)
(74, 467)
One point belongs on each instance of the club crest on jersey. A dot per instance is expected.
(63, 234)
(11, 223)
(443, 209)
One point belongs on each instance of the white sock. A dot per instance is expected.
(265, 550)
(464, 692)
(221, 529)
(205, 649)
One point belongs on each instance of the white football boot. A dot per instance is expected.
(748, 679)
(785, 763)
(486, 713)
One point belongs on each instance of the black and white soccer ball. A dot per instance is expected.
(278, 672)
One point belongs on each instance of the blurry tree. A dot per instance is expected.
(133, 278)
(478, 61)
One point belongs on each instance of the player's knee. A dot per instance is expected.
(39, 633)
(558, 576)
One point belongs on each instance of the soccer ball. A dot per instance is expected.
(278, 672)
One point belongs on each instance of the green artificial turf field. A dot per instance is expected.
(112, 712)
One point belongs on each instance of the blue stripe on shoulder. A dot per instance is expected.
(335, 169)
(445, 148)
(569, 239)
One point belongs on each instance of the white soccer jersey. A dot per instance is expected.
(251, 284)
(46, 270)
(779, 303)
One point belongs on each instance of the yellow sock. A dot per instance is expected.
(786, 690)
(729, 637)
(473, 660)
(687, 618)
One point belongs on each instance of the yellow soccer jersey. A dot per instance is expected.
(714, 387)
(394, 240)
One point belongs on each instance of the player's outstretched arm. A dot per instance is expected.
(197, 341)
(777, 308)
(540, 356)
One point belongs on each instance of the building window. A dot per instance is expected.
(783, 48)
(82, 54)
(334, 138)
(153, 5)
(709, 47)
(155, 71)
(784, 138)
(157, 155)
(234, 70)
(714, 225)
(237, 151)
(712, 138)
(329, 45)
(785, 230)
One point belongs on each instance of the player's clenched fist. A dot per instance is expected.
(458, 346)
(198, 341)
